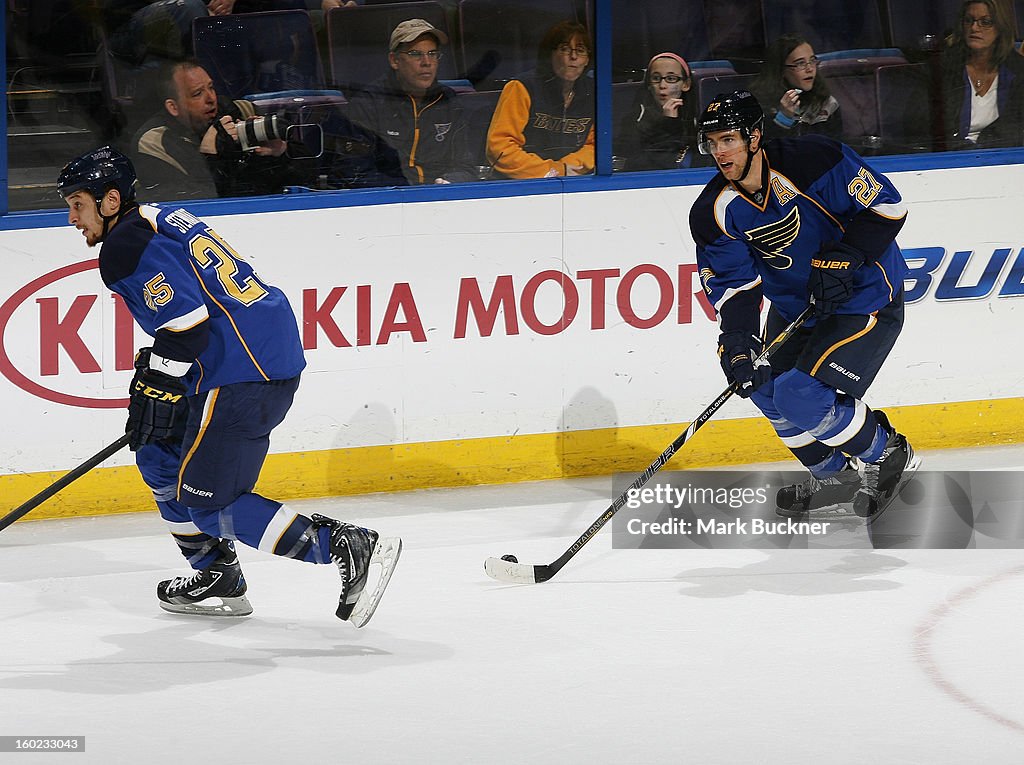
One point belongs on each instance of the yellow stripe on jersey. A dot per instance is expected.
(892, 292)
(211, 402)
(872, 321)
(238, 332)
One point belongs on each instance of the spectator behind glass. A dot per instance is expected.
(797, 99)
(659, 131)
(982, 79)
(543, 124)
(421, 119)
(191, 150)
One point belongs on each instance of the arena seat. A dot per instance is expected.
(904, 110)
(357, 40)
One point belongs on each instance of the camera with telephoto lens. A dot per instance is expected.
(257, 131)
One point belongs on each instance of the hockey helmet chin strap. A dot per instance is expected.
(122, 208)
(750, 160)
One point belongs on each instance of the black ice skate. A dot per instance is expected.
(883, 480)
(795, 500)
(354, 550)
(217, 590)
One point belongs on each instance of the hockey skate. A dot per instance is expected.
(217, 590)
(354, 550)
(883, 480)
(795, 500)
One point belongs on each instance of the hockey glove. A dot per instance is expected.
(739, 351)
(831, 280)
(157, 401)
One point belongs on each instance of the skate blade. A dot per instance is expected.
(385, 555)
(239, 606)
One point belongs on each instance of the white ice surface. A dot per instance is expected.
(627, 656)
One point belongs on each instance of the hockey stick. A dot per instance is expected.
(64, 480)
(505, 570)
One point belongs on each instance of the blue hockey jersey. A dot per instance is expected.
(814, 192)
(199, 300)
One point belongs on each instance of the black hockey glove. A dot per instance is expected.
(157, 401)
(831, 280)
(739, 351)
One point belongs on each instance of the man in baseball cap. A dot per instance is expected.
(411, 30)
(417, 115)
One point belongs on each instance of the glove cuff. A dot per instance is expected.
(844, 252)
(169, 367)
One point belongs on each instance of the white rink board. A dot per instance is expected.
(395, 390)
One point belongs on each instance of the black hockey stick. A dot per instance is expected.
(64, 480)
(505, 570)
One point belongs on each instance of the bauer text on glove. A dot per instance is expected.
(832, 274)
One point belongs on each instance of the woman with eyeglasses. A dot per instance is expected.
(659, 131)
(800, 99)
(543, 124)
(982, 80)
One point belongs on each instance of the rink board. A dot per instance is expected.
(506, 339)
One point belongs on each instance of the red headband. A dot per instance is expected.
(674, 57)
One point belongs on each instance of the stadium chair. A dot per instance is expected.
(829, 25)
(499, 37)
(259, 52)
(357, 40)
(477, 108)
(709, 87)
(702, 71)
(860, 61)
(904, 110)
(851, 77)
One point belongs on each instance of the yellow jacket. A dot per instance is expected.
(533, 134)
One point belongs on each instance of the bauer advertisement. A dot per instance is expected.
(499, 318)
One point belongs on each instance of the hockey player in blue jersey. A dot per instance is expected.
(220, 376)
(799, 220)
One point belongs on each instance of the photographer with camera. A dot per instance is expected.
(200, 146)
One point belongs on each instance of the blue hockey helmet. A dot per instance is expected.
(738, 110)
(97, 172)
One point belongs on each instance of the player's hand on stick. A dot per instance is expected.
(831, 279)
(156, 402)
(739, 351)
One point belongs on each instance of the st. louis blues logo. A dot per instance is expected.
(706, 275)
(773, 239)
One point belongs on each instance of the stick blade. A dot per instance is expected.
(515, 573)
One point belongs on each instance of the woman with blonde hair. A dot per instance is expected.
(982, 79)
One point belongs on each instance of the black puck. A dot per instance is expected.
(510, 558)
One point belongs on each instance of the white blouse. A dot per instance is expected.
(984, 110)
